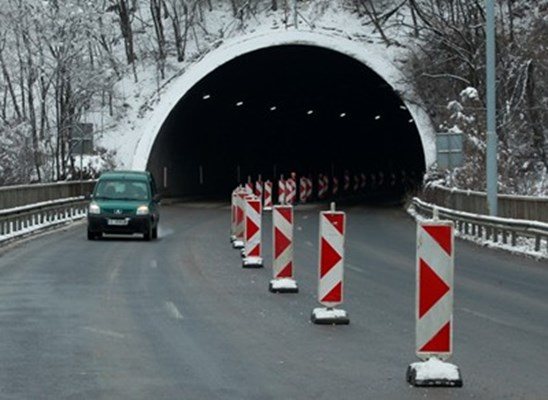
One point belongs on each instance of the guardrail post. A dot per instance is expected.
(537, 242)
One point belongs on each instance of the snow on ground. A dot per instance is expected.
(524, 246)
(32, 225)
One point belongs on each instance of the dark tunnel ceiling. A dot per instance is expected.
(329, 110)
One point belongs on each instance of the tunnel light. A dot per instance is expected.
(343, 115)
(273, 108)
(377, 117)
(239, 104)
(206, 96)
(411, 121)
(310, 112)
(403, 108)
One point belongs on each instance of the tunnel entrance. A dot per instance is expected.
(281, 109)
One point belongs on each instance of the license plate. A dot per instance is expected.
(118, 222)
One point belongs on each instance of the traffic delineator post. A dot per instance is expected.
(233, 216)
(321, 187)
(282, 251)
(252, 248)
(302, 189)
(281, 190)
(434, 306)
(309, 189)
(331, 269)
(239, 211)
(335, 188)
(267, 196)
(259, 188)
(249, 185)
(290, 190)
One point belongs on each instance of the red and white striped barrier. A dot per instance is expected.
(249, 186)
(309, 188)
(331, 269)
(290, 191)
(321, 187)
(259, 189)
(326, 184)
(233, 215)
(335, 189)
(346, 184)
(252, 250)
(434, 305)
(239, 211)
(281, 190)
(302, 189)
(267, 196)
(282, 255)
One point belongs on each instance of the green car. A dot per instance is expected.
(124, 202)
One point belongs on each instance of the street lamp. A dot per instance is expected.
(491, 157)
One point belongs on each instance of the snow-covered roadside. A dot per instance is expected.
(39, 222)
(524, 246)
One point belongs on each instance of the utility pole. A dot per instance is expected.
(491, 157)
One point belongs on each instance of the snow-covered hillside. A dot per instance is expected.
(110, 63)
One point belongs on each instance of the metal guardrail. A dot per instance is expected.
(499, 230)
(510, 206)
(16, 196)
(21, 221)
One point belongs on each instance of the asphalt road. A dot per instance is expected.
(179, 318)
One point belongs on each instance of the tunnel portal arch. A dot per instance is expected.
(365, 53)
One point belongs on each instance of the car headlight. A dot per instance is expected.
(142, 210)
(94, 208)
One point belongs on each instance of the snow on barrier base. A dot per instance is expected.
(434, 373)
(282, 255)
(330, 269)
(434, 306)
(252, 247)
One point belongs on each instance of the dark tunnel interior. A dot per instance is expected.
(282, 109)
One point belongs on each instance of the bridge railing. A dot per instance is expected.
(17, 196)
(24, 220)
(509, 206)
(503, 231)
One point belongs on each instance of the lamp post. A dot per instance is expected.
(491, 158)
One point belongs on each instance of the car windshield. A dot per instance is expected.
(122, 190)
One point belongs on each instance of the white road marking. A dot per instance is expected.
(309, 243)
(154, 264)
(173, 311)
(353, 268)
(104, 332)
(114, 274)
(485, 316)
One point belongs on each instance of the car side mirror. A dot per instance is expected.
(157, 198)
(88, 196)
